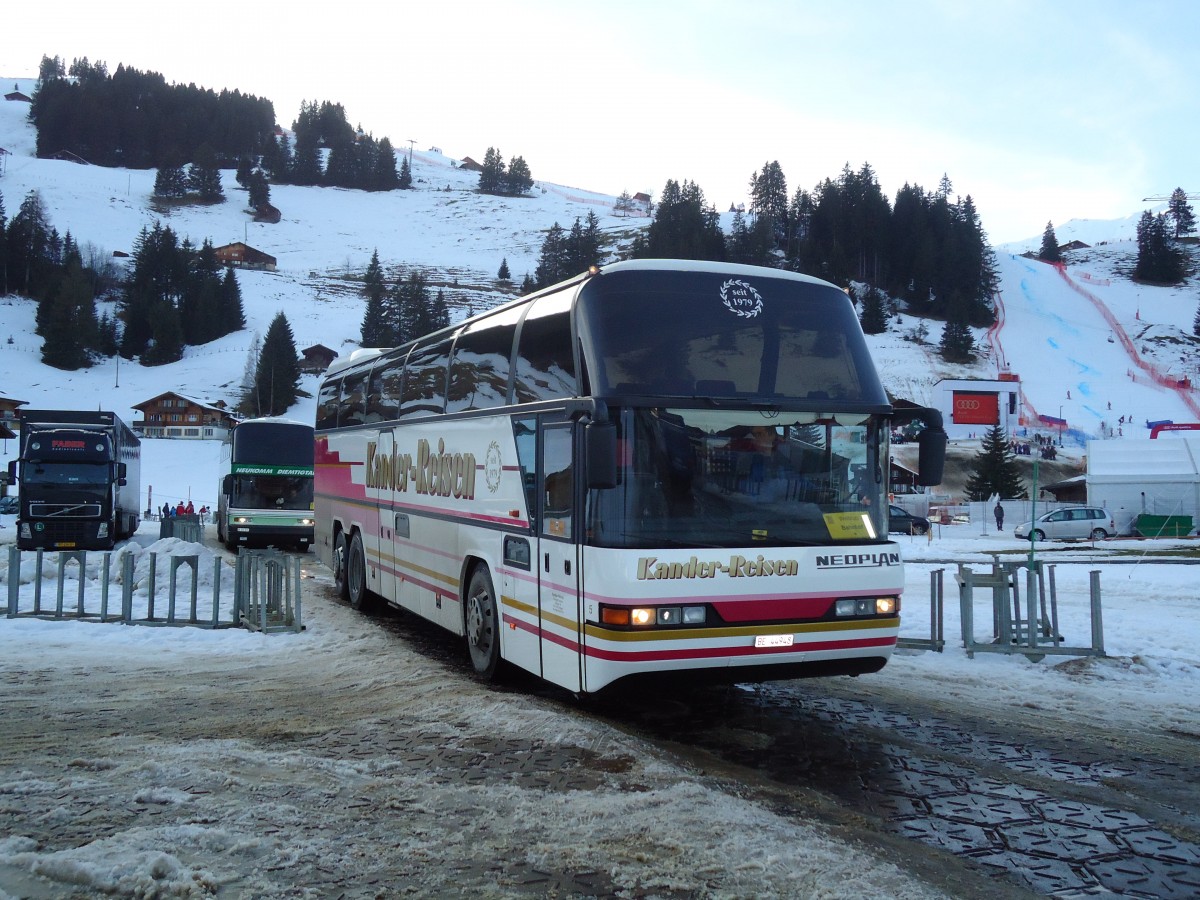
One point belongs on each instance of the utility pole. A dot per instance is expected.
(411, 141)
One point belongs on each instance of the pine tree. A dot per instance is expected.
(166, 335)
(204, 176)
(277, 376)
(1159, 261)
(258, 189)
(874, 316)
(623, 205)
(552, 264)
(170, 183)
(1196, 322)
(375, 329)
(519, 179)
(1049, 251)
(232, 314)
(957, 344)
(684, 226)
(503, 274)
(995, 469)
(1181, 211)
(405, 182)
(492, 173)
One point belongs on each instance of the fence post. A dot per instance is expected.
(1097, 616)
(127, 589)
(14, 580)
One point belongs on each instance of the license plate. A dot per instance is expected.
(774, 640)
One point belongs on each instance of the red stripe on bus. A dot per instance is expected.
(718, 652)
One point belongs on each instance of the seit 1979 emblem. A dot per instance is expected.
(741, 299)
(493, 466)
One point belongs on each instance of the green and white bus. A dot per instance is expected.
(658, 467)
(266, 495)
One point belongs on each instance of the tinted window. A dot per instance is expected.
(327, 403)
(383, 398)
(545, 367)
(479, 372)
(353, 405)
(712, 335)
(425, 380)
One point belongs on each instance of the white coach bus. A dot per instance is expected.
(656, 467)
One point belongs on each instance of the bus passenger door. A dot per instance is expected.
(559, 607)
(385, 524)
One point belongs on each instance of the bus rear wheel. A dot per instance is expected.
(341, 549)
(482, 624)
(356, 575)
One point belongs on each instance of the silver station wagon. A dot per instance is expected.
(1078, 523)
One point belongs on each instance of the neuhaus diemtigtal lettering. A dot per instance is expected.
(437, 474)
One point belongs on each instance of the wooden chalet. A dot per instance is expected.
(243, 256)
(18, 96)
(470, 165)
(10, 413)
(173, 415)
(316, 359)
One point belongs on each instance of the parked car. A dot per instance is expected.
(901, 521)
(1076, 523)
(8, 506)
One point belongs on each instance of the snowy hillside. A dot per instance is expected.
(1056, 339)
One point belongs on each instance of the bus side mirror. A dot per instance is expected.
(600, 454)
(227, 484)
(931, 456)
(12, 471)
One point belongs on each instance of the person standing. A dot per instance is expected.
(999, 511)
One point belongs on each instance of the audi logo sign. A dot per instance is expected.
(975, 409)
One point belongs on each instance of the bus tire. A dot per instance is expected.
(341, 550)
(482, 624)
(356, 575)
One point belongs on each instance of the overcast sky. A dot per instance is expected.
(1041, 112)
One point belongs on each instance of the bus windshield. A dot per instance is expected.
(92, 472)
(724, 478)
(272, 492)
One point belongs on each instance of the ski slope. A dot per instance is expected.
(1080, 345)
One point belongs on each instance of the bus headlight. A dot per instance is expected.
(240, 520)
(867, 606)
(641, 617)
(102, 531)
(308, 522)
(652, 616)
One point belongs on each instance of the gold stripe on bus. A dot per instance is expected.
(399, 563)
(530, 610)
(683, 634)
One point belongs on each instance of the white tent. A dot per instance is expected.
(1160, 477)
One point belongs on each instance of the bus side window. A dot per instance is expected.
(525, 435)
(383, 398)
(327, 403)
(479, 369)
(353, 407)
(545, 364)
(425, 381)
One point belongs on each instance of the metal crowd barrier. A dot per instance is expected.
(266, 592)
(1029, 625)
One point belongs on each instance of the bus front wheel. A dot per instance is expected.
(482, 624)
